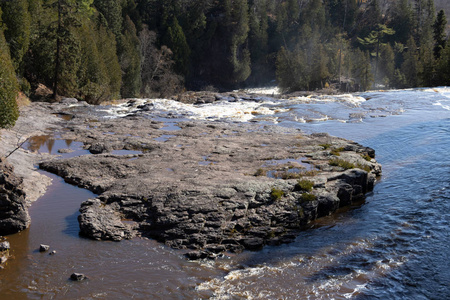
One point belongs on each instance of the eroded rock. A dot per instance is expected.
(13, 210)
(210, 187)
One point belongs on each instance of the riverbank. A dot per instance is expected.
(205, 186)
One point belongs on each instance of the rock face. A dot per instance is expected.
(13, 211)
(210, 187)
(102, 222)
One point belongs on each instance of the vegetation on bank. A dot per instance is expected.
(97, 50)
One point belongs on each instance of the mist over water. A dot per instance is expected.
(392, 246)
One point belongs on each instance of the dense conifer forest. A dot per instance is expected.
(97, 50)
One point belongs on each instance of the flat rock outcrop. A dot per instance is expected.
(209, 186)
(13, 210)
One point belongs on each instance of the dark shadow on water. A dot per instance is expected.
(72, 226)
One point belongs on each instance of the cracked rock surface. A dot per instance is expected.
(209, 186)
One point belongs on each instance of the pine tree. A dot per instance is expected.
(410, 66)
(374, 40)
(112, 11)
(107, 47)
(402, 21)
(361, 69)
(176, 41)
(439, 34)
(67, 57)
(258, 41)
(237, 23)
(92, 74)
(387, 65)
(18, 29)
(443, 68)
(130, 60)
(292, 70)
(8, 86)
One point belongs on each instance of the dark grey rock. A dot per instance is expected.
(44, 248)
(13, 209)
(101, 221)
(78, 277)
(252, 243)
(99, 148)
(196, 255)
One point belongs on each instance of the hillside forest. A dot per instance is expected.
(97, 50)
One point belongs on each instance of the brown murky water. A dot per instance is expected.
(393, 246)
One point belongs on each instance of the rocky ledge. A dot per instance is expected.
(13, 210)
(209, 186)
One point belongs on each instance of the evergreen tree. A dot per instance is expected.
(107, 46)
(402, 21)
(387, 65)
(443, 68)
(236, 14)
(361, 69)
(410, 66)
(92, 74)
(112, 11)
(426, 67)
(374, 39)
(439, 33)
(258, 41)
(176, 41)
(292, 70)
(67, 57)
(130, 60)
(8, 85)
(18, 29)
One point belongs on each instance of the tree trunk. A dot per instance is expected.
(58, 52)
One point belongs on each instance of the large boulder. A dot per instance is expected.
(102, 222)
(13, 210)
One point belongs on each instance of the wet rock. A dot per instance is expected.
(53, 252)
(78, 277)
(167, 194)
(5, 246)
(99, 148)
(65, 150)
(13, 210)
(327, 204)
(196, 255)
(146, 107)
(3, 259)
(44, 248)
(252, 243)
(69, 101)
(102, 222)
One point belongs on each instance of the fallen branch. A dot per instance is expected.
(17, 148)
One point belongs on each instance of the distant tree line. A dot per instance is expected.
(103, 49)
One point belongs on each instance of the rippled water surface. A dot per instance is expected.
(393, 246)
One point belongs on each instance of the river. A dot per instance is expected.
(393, 246)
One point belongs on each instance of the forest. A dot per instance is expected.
(97, 50)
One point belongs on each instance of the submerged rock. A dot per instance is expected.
(44, 248)
(78, 277)
(5, 246)
(13, 210)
